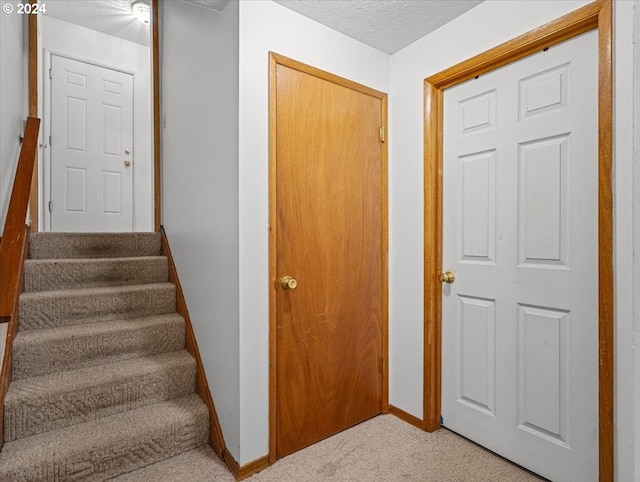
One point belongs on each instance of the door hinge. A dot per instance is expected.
(382, 134)
(383, 366)
(50, 207)
(49, 139)
(51, 73)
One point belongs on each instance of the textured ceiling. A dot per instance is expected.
(387, 25)
(217, 5)
(113, 17)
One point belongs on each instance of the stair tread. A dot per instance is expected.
(64, 274)
(91, 260)
(39, 404)
(198, 465)
(46, 245)
(109, 446)
(94, 291)
(92, 329)
(49, 350)
(49, 309)
(88, 377)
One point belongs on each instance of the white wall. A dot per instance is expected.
(79, 43)
(200, 187)
(626, 389)
(635, 318)
(13, 52)
(483, 27)
(267, 26)
(199, 202)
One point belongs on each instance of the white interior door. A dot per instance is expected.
(91, 147)
(520, 232)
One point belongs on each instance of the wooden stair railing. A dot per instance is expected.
(13, 251)
(13, 235)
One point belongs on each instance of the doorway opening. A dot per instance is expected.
(122, 44)
(593, 16)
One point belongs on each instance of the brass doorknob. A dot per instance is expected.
(288, 283)
(127, 163)
(448, 277)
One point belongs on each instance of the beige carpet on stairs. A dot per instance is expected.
(384, 449)
(102, 384)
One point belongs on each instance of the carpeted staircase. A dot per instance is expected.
(102, 385)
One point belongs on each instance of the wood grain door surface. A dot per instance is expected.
(329, 208)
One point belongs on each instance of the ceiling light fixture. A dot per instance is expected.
(142, 11)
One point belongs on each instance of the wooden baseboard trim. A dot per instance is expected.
(247, 470)
(254, 467)
(406, 417)
(232, 465)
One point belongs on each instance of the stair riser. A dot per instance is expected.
(101, 456)
(56, 309)
(67, 274)
(35, 413)
(41, 357)
(98, 245)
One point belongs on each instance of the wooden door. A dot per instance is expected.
(520, 231)
(91, 147)
(330, 222)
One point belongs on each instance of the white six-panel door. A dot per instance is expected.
(91, 147)
(520, 232)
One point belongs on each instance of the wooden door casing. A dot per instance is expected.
(328, 230)
(597, 15)
(35, 205)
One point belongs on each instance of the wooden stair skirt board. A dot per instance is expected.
(216, 438)
(104, 346)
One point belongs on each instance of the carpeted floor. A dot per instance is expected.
(103, 387)
(384, 449)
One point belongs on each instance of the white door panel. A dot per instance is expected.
(91, 143)
(520, 231)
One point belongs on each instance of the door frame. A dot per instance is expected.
(597, 15)
(32, 62)
(275, 60)
(46, 172)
